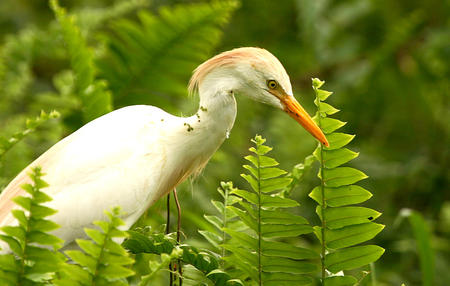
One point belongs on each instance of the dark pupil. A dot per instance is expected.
(272, 84)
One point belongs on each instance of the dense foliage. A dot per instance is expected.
(387, 61)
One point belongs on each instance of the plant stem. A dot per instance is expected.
(373, 277)
(259, 223)
(322, 190)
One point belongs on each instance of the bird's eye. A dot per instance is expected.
(272, 84)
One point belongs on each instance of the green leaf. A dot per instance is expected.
(95, 235)
(44, 238)
(285, 279)
(338, 140)
(21, 218)
(423, 237)
(353, 257)
(317, 83)
(335, 158)
(24, 202)
(13, 244)
(274, 184)
(341, 176)
(211, 237)
(114, 272)
(263, 162)
(271, 201)
(281, 217)
(82, 259)
(250, 197)
(246, 218)
(326, 109)
(268, 173)
(89, 247)
(344, 216)
(340, 281)
(15, 231)
(283, 230)
(323, 94)
(281, 249)
(329, 125)
(214, 221)
(252, 181)
(40, 211)
(42, 225)
(341, 196)
(280, 264)
(242, 239)
(351, 235)
(249, 257)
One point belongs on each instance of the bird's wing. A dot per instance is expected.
(102, 143)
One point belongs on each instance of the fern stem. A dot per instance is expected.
(100, 257)
(373, 275)
(259, 222)
(323, 203)
(25, 243)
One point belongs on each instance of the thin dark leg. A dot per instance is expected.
(180, 270)
(167, 232)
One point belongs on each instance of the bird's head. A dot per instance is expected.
(257, 74)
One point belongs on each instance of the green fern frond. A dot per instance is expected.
(161, 244)
(297, 174)
(154, 56)
(343, 226)
(94, 94)
(89, 19)
(16, 75)
(102, 261)
(31, 264)
(261, 258)
(226, 218)
(31, 125)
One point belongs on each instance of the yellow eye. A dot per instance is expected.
(272, 84)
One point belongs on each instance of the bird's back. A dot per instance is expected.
(113, 160)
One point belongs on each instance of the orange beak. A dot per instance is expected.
(296, 111)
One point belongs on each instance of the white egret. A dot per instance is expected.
(133, 156)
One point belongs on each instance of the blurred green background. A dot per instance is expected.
(387, 62)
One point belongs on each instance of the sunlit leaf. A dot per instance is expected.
(341, 196)
(351, 235)
(344, 216)
(341, 176)
(353, 257)
(338, 140)
(334, 158)
(340, 281)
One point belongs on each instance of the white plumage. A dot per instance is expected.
(133, 156)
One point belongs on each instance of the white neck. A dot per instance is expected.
(210, 126)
